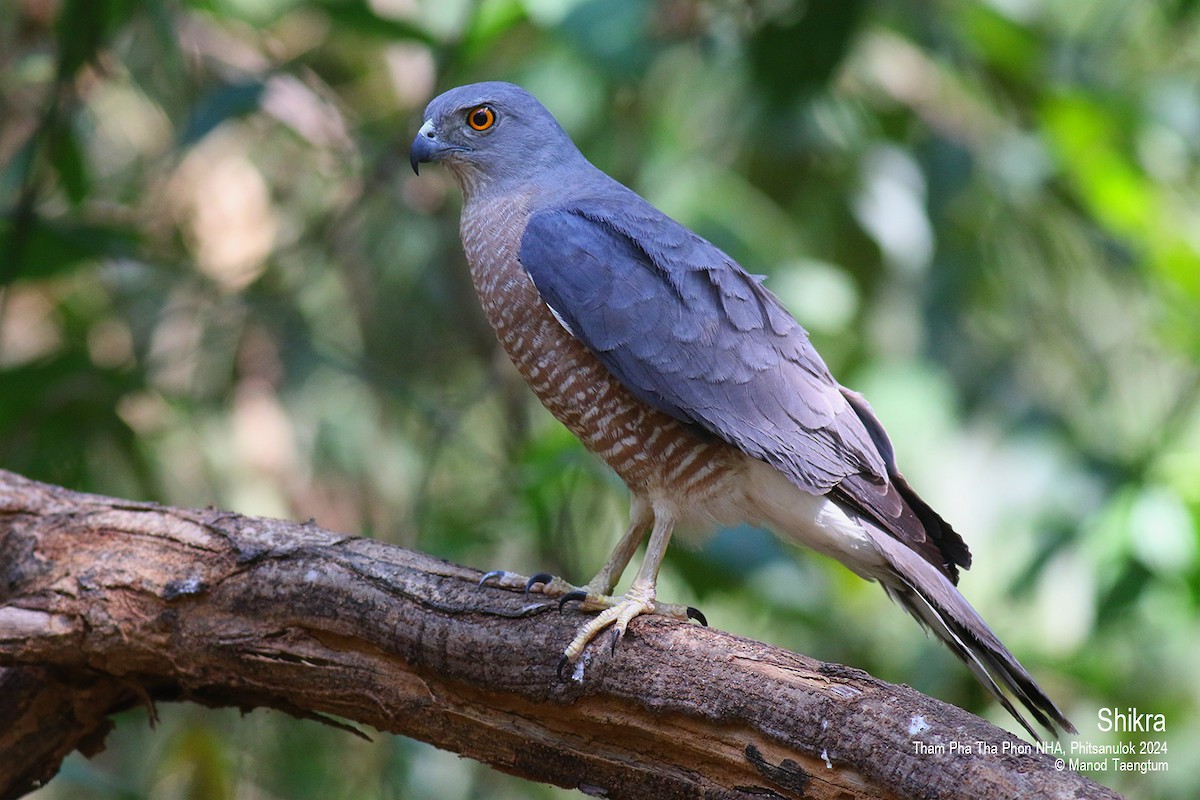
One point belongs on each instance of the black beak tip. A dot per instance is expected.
(424, 148)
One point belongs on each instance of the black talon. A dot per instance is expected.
(616, 638)
(569, 597)
(541, 577)
(496, 573)
(562, 662)
(694, 613)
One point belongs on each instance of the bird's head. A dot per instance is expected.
(491, 133)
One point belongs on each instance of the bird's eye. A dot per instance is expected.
(481, 118)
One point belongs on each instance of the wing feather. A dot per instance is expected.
(689, 332)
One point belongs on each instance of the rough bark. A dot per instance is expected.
(106, 604)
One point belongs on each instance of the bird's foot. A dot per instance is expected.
(617, 612)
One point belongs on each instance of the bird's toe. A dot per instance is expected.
(542, 583)
(577, 596)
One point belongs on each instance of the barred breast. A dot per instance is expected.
(652, 452)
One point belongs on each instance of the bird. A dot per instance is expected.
(690, 380)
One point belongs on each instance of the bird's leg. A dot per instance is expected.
(618, 611)
(640, 599)
(598, 588)
(640, 519)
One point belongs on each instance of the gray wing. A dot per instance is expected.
(689, 332)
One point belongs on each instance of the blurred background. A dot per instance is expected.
(221, 284)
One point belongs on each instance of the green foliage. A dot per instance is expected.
(220, 285)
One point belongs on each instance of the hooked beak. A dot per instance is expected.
(426, 147)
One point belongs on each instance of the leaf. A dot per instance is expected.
(1009, 46)
(47, 248)
(490, 22)
(796, 57)
(83, 26)
(358, 17)
(230, 101)
(67, 159)
(614, 34)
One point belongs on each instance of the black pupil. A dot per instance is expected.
(480, 118)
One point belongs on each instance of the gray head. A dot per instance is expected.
(492, 134)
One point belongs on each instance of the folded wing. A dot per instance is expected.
(690, 333)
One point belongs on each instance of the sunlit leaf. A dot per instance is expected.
(1087, 140)
(1008, 45)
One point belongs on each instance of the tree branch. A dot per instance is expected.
(105, 604)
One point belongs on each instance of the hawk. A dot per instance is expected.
(689, 379)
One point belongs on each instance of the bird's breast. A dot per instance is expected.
(651, 451)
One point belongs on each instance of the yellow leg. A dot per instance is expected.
(640, 599)
(615, 612)
(640, 519)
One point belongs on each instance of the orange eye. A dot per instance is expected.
(481, 118)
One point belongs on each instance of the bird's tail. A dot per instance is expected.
(933, 600)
